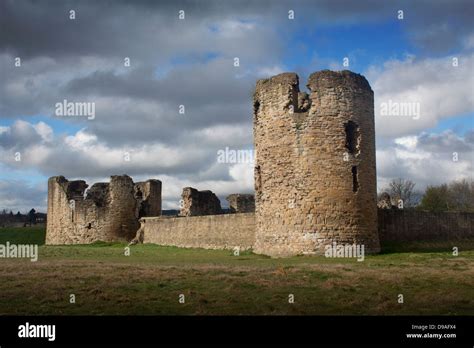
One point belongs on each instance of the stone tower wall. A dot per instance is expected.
(315, 176)
(106, 212)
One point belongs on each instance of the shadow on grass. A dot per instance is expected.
(37, 235)
(426, 246)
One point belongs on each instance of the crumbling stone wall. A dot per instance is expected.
(241, 203)
(409, 225)
(105, 212)
(227, 231)
(148, 196)
(224, 231)
(196, 203)
(315, 176)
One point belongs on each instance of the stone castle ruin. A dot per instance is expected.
(315, 185)
(241, 203)
(104, 212)
(315, 178)
(195, 203)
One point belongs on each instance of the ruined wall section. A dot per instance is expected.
(196, 203)
(315, 173)
(60, 212)
(409, 225)
(241, 203)
(224, 231)
(228, 231)
(106, 212)
(146, 194)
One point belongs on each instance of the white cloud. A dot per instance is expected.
(45, 131)
(269, 71)
(83, 155)
(243, 174)
(408, 142)
(426, 159)
(241, 134)
(442, 91)
(230, 28)
(80, 140)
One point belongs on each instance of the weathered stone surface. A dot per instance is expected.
(106, 212)
(224, 231)
(409, 225)
(241, 203)
(227, 231)
(315, 181)
(146, 194)
(196, 203)
(315, 175)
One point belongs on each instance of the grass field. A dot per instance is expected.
(151, 279)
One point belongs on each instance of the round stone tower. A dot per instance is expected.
(315, 177)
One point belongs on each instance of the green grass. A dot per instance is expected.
(23, 235)
(150, 280)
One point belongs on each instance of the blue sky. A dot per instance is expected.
(371, 43)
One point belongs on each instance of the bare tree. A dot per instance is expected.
(401, 189)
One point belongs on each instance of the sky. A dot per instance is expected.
(415, 53)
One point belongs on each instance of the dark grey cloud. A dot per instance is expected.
(170, 66)
(210, 92)
(447, 142)
(173, 62)
(83, 156)
(149, 30)
(19, 135)
(116, 28)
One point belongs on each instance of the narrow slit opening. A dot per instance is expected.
(258, 180)
(355, 181)
(352, 137)
(256, 107)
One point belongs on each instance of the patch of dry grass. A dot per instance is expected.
(215, 282)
